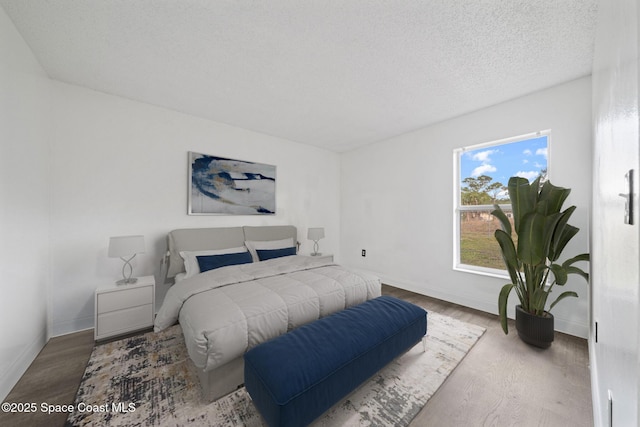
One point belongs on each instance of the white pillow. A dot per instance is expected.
(191, 266)
(253, 245)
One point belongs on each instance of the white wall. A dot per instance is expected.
(119, 167)
(24, 205)
(397, 197)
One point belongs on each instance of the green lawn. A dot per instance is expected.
(477, 244)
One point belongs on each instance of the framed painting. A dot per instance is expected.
(221, 186)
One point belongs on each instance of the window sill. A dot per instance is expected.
(483, 271)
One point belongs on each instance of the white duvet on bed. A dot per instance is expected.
(225, 312)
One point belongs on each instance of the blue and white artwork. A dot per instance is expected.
(233, 187)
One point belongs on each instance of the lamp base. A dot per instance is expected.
(316, 254)
(128, 281)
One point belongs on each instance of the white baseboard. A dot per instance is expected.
(19, 365)
(440, 294)
(71, 326)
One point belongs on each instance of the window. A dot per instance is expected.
(481, 175)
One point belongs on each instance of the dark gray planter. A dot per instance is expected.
(534, 330)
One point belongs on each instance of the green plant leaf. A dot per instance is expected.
(559, 273)
(508, 254)
(563, 296)
(531, 239)
(534, 191)
(578, 271)
(502, 306)
(546, 239)
(539, 274)
(571, 269)
(559, 244)
(521, 202)
(560, 236)
(502, 217)
(577, 258)
(554, 197)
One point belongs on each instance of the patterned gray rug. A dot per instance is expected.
(147, 380)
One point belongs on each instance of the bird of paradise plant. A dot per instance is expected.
(543, 232)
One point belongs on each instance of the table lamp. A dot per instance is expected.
(126, 248)
(315, 234)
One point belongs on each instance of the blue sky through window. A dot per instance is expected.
(524, 158)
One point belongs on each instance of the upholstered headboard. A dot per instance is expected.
(272, 232)
(199, 239)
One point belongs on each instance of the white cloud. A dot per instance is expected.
(483, 156)
(530, 175)
(527, 152)
(542, 152)
(482, 169)
(502, 194)
(525, 161)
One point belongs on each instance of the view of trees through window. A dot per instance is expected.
(484, 174)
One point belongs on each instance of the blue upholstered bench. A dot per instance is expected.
(296, 377)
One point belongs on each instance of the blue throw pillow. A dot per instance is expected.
(265, 254)
(210, 262)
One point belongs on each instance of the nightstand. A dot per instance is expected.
(328, 257)
(120, 309)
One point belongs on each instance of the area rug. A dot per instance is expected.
(148, 380)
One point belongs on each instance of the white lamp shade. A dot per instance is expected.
(125, 246)
(315, 233)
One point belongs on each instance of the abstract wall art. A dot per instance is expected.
(221, 186)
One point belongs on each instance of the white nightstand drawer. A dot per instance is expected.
(123, 309)
(133, 318)
(124, 298)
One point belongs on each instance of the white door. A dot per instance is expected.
(615, 277)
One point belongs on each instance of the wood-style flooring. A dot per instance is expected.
(505, 382)
(501, 382)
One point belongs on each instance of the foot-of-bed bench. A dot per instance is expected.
(296, 377)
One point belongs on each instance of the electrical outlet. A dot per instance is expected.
(364, 252)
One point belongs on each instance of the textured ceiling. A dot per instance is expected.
(336, 74)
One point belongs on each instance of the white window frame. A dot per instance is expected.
(458, 208)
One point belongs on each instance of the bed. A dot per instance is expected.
(237, 287)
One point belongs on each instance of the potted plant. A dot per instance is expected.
(542, 232)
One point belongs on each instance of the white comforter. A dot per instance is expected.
(225, 312)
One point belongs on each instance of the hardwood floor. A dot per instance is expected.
(501, 382)
(53, 379)
(505, 382)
